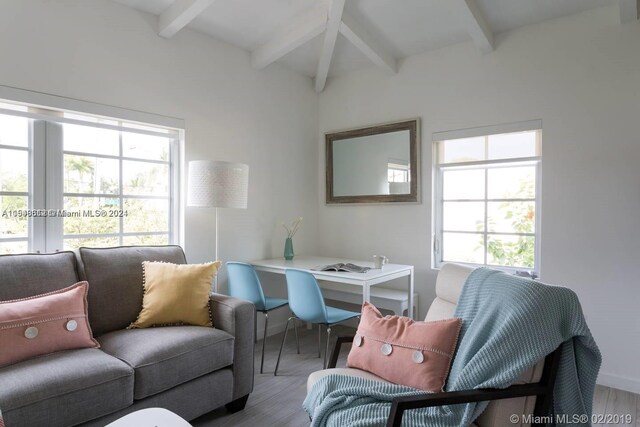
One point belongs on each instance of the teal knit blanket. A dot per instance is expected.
(509, 324)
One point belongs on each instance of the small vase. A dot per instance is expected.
(288, 249)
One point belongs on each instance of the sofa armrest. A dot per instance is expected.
(236, 316)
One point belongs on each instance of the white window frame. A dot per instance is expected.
(438, 199)
(46, 154)
(28, 194)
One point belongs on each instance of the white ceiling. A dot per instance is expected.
(399, 27)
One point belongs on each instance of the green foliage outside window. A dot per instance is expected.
(520, 250)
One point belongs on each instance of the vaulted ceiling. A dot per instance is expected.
(322, 38)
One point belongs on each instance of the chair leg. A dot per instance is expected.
(326, 351)
(286, 328)
(264, 338)
(295, 329)
(319, 341)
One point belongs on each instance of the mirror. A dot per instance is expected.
(375, 164)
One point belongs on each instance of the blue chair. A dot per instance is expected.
(307, 304)
(245, 284)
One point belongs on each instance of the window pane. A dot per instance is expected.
(14, 130)
(462, 150)
(13, 219)
(141, 178)
(92, 175)
(463, 184)
(145, 146)
(14, 170)
(511, 217)
(13, 247)
(512, 145)
(91, 242)
(160, 239)
(146, 215)
(90, 215)
(512, 182)
(463, 247)
(87, 139)
(463, 216)
(511, 251)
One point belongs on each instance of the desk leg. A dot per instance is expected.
(410, 308)
(366, 292)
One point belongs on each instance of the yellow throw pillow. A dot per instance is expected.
(176, 294)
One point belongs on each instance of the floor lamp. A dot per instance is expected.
(217, 184)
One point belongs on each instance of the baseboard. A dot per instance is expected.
(274, 328)
(621, 383)
(277, 328)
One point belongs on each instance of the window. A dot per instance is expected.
(487, 197)
(14, 183)
(69, 180)
(397, 172)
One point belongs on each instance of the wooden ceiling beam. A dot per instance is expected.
(477, 25)
(179, 14)
(336, 9)
(360, 38)
(299, 32)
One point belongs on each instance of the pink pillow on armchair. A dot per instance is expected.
(403, 351)
(45, 324)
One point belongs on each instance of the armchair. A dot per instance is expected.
(542, 389)
(530, 395)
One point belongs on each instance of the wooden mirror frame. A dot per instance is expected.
(414, 156)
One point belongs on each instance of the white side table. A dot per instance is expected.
(150, 417)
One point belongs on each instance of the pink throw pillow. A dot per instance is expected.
(45, 324)
(403, 351)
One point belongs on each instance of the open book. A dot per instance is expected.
(351, 268)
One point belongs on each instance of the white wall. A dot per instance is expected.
(103, 52)
(581, 76)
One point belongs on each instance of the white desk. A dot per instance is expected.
(366, 280)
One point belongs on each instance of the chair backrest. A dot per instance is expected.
(305, 298)
(449, 284)
(245, 284)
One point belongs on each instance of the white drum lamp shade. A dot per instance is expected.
(217, 184)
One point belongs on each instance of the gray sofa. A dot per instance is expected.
(189, 370)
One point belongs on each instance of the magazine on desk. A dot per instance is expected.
(348, 267)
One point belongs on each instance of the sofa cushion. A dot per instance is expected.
(87, 383)
(22, 276)
(44, 324)
(176, 294)
(167, 356)
(115, 282)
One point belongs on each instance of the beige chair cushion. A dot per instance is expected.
(318, 375)
(498, 411)
(449, 284)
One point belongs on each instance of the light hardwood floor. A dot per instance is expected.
(277, 401)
